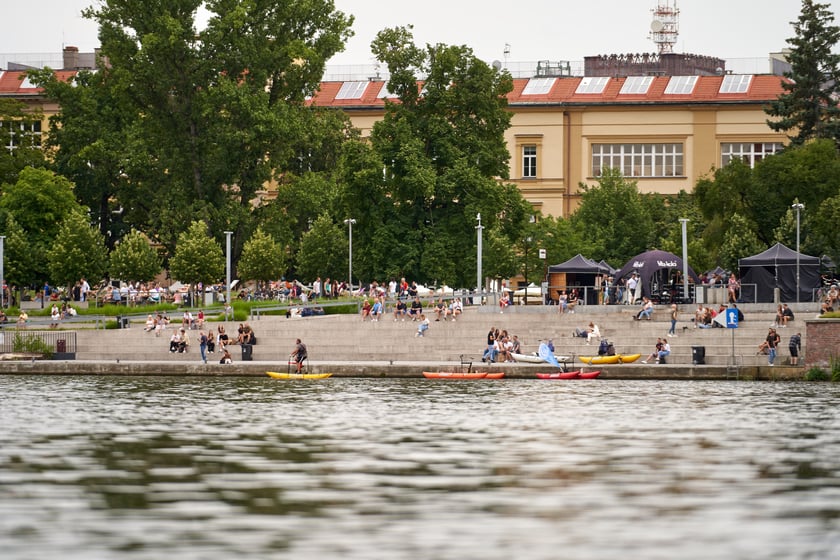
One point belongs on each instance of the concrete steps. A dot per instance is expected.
(348, 338)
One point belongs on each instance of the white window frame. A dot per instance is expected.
(539, 86)
(681, 85)
(636, 85)
(735, 83)
(639, 160)
(529, 161)
(750, 152)
(352, 90)
(592, 85)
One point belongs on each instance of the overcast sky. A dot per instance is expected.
(535, 30)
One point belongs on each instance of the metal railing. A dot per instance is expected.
(22, 340)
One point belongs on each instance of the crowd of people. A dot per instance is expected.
(500, 346)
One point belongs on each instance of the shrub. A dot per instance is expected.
(816, 374)
(31, 344)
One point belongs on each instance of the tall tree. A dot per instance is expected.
(39, 201)
(21, 128)
(808, 109)
(435, 162)
(208, 116)
(613, 218)
(323, 250)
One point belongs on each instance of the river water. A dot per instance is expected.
(220, 468)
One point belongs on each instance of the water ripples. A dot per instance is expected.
(140, 467)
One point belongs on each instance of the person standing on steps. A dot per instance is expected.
(674, 314)
(772, 340)
(202, 345)
(795, 345)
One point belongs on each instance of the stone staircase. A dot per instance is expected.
(348, 338)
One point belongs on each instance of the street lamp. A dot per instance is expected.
(350, 222)
(683, 224)
(798, 207)
(227, 276)
(478, 280)
(2, 276)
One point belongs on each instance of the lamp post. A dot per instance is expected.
(350, 222)
(478, 280)
(2, 273)
(683, 224)
(227, 275)
(798, 207)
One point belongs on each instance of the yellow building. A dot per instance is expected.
(664, 132)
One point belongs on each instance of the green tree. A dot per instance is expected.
(198, 257)
(433, 165)
(134, 259)
(740, 241)
(19, 270)
(39, 203)
(15, 115)
(824, 235)
(808, 109)
(262, 258)
(216, 113)
(77, 252)
(91, 144)
(324, 251)
(613, 218)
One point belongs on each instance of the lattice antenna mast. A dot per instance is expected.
(665, 26)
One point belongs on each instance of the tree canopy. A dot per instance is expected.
(808, 109)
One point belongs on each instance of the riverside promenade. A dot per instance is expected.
(346, 346)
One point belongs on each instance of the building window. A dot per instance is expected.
(750, 153)
(529, 161)
(680, 85)
(539, 86)
(638, 85)
(18, 133)
(639, 160)
(592, 84)
(735, 83)
(352, 90)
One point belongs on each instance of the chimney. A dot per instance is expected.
(71, 58)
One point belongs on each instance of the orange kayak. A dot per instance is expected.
(497, 375)
(454, 375)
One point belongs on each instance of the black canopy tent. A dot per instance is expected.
(581, 272)
(655, 269)
(776, 268)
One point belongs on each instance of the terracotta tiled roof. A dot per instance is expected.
(762, 88)
(14, 82)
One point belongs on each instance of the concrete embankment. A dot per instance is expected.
(387, 370)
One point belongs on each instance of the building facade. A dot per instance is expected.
(664, 132)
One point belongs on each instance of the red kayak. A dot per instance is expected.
(589, 374)
(559, 375)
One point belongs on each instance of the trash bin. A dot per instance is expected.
(119, 321)
(247, 352)
(61, 345)
(698, 355)
(124, 322)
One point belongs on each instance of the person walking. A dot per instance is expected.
(795, 345)
(674, 313)
(772, 340)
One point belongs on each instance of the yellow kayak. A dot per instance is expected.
(278, 375)
(599, 359)
(628, 358)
